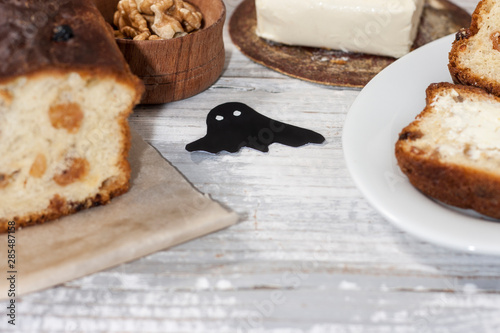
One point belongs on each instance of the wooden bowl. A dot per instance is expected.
(177, 68)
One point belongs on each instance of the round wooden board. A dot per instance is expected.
(332, 67)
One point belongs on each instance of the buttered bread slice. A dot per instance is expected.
(378, 27)
(475, 55)
(65, 95)
(451, 151)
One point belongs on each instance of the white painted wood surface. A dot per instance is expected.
(309, 255)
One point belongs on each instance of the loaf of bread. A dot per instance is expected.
(475, 55)
(65, 94)
(451, 152)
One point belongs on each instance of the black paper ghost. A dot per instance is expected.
(231, 126)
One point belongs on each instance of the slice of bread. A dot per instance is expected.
(451, 152)
(475, 55)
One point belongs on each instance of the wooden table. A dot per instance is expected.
(309, 254)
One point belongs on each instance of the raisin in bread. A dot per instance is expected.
(475, 55)
(451, 152)
(65, 94)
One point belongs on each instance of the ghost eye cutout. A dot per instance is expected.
(219, 118)
(237, 113)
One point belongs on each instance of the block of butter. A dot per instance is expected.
(381, 27)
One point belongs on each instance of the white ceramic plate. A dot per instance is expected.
(387, 104)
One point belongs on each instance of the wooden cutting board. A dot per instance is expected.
(332, 67)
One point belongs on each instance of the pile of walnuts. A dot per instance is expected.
(155, 19)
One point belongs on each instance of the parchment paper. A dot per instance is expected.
(160, 210)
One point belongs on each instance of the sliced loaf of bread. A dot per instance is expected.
(451, 152)
(65, 95)
(475, 55)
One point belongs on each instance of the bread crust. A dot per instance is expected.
(463, 75)
(59, 207)
(28, 49)
(27, 45)
(456, 185)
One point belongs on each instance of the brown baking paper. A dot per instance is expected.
(160, 210)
